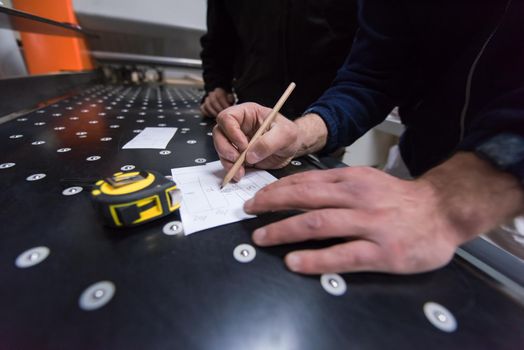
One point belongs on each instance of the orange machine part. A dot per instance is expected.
(51, 53)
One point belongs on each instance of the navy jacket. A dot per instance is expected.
(455, 69)
(258, 47)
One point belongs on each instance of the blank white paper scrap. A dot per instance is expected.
(204, 205)
(155, 138)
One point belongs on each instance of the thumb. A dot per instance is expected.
(276, 139)
(231, 98)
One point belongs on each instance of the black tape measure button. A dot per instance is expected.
(129, 214)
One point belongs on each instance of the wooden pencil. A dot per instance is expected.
(261, 130)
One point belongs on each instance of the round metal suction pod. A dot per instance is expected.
(440, 317)
(244, 253)
(333, 283)
(35, 177)
(97, 295)
(173, 228)
(71, 191)
(32, 257)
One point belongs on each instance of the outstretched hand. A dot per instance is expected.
(389, 224)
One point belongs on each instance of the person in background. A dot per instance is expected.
(255, 49)
(457, 72)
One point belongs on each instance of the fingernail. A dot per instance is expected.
(293, 261)
(248, 204)
(259, 236)
(238, 176)
(232, 157)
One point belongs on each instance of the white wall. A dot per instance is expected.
(182, 13)
(11, 62)
(370, 150)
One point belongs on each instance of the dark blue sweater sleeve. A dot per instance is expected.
(494, 130)
(496, 133)
(370, 83)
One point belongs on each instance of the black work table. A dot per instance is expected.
(188, 292)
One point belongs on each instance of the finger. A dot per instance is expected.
(316, 224)
(354, 256)
(223, 146)
(205, 111)
(230, 99)
(229, 123)
(250, 116)
(207, 105)
(228, 165)
(314, 176)
(227, 152)
(239, 174)
(222, 101)
(273, 162)
(215, 104)
(311, 177)
(278, 138)
(302, 196)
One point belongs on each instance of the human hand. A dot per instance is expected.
(216, 101)
(235, 127)
(389, 225)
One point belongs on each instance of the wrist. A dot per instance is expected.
(471, 196)
(312, 134)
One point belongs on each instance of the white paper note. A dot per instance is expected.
(156, 138)
(204, 205)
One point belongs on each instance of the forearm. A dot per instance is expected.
(312, 134)
(473, 195)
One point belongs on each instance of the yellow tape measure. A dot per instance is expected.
(133, 198)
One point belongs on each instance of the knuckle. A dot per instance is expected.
(296, 179)
(262, 192)
(347, 187)
(314, 220)
(302, 191)
(221, 119)
(357, 171)
(355, 260)
(231, 156)
(349, 259)
(356, 191)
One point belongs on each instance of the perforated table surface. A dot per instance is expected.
(68, 282)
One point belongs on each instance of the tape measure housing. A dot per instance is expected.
(133, 198)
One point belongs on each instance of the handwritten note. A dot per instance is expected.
(155, 138)
(204, 205)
